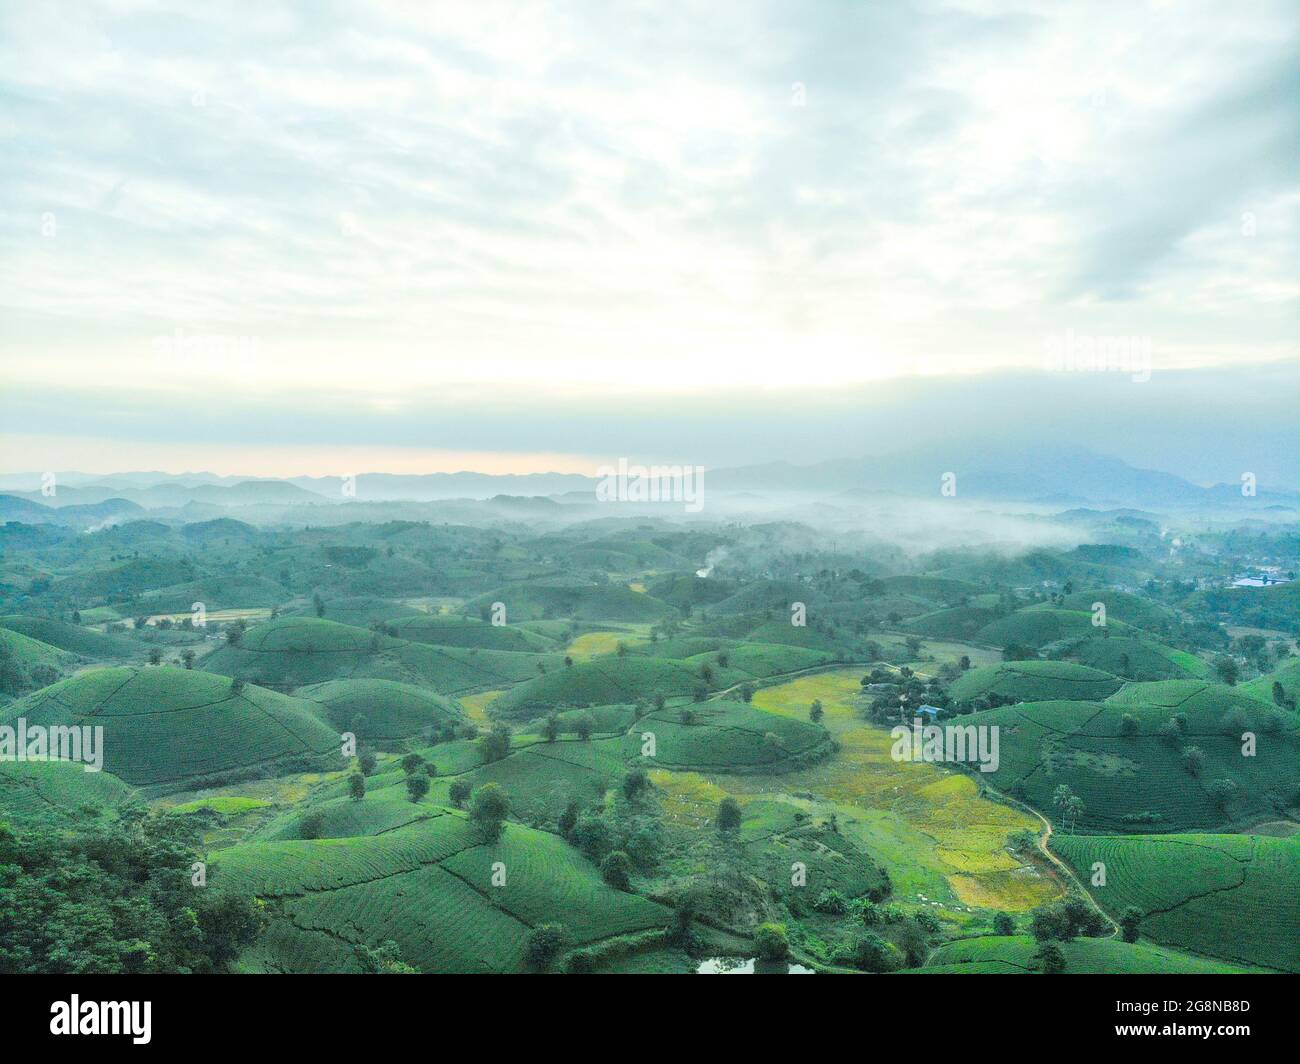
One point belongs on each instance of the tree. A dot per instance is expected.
(496, 743)
(1128, 725)
(155, 656)
(728, 816)
(621, 649)
(747, 692)
(773, 747)
(1227, 670)
(771, 942)
(872, 953)
(459, 792)
(616, 869)
(367, 762)
(635, 781)
(357, 786)
(187, 657)
(815, 711)
(1194, 760)
(1222, 792)
(568, 662)
(913, 643)
(1050, 958)
(489, 809)
(385, 960)
(1003, 925)
(1279, 695)
(551, 727)
(411, 762)
(318, 604)
(417, 785)
(1130, 923)
(237, 685)
(545, 942)
(584, 725)
(569, 818)
(964, 662)
(234, 635)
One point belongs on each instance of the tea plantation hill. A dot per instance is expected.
(168, 726)
(1034, 681)
(571, 599)
(360, 611)
(1130, 767)
(387, 710)
(1018, 955)
(1226, 896)
(73, 638)
(722, 736)
(294, 651)
(428, 886)
(47, 792)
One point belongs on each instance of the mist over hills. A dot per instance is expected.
(1043, 476)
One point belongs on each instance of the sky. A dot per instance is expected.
(307, 238)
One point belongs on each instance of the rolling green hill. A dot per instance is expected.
(1014, 955)
(391, 710)
(454, 631)
(1037, 626)
(428, 887)
(579, 601)
(1228, 896)
(56, 790)
(1034, 681)
(602, 681)
(164, 725)
(1135, 659)
(73, 638)
(727, 737)
(1141, 781)
(295, 651)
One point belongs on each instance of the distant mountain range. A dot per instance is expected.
(1049, 476)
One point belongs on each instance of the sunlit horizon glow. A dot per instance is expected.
(560, 206)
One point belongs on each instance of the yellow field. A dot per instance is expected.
(940, 840)
(252, 614)
(593, 644)
(475, 706)
(638, 587)
(793, 699)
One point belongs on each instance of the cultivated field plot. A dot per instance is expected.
(1228, 896)
(943, 845)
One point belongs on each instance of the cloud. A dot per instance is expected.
(674, 199)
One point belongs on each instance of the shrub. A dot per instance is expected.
(771, 942)
(544, 942)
